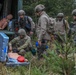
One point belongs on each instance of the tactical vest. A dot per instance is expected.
(59, 27)
(25, 23)
(73, 27)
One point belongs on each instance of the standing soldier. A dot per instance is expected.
(73, 31)
(61, 27)
(43, 21)
(26, 22)
(73, 26)
(21, 43)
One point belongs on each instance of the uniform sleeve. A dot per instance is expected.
(32, 23)
(43, 27)
(28, 42)
(13, 41)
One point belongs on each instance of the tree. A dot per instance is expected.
(52, 6)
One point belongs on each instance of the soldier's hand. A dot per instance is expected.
(31, 33)
(10, 48)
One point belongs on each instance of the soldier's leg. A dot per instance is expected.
(41, 49)
(22, 52)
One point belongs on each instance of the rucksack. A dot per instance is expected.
(52, 22)
(25, 23)
(50, 27)
(28, 24)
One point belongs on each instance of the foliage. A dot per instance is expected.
(63, 63)
(53, 64)
(52, 6)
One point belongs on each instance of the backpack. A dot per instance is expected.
(50, 27)
(25, 23)
(28, 24)
(52, 22)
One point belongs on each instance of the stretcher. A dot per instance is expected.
(15, 62)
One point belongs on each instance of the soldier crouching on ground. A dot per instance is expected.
(20, 44)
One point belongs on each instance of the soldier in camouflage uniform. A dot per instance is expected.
(61, 27)
(73, 26)
(20, 43)
(41, 28)
(26, 22)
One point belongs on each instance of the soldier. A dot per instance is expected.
(21, 43)
(42, 23)
(26, 22)
(41, 28)
(73, 25)
(61, 27)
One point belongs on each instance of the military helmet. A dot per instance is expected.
(21, 32)
(39, 8)
(21, 12)
(60, 15)
(74, 12)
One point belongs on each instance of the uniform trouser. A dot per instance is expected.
(40, 52)
(41, 49)
(61, 41)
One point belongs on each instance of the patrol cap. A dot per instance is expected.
(21, 32)
(21, 12)
(74, 12)
(60, 15)
(39, 8)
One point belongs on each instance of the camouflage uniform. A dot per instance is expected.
(73, 30)
(42, 27)
(73, 26)
(61, 27)
(25, 20)
(21, 44)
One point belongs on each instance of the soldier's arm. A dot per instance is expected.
(43, 27)
(25, 44)
(13, 41)
(67, 26)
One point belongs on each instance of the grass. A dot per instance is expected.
(36, 67)
(53, 64)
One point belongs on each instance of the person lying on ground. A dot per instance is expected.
(17, 57)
